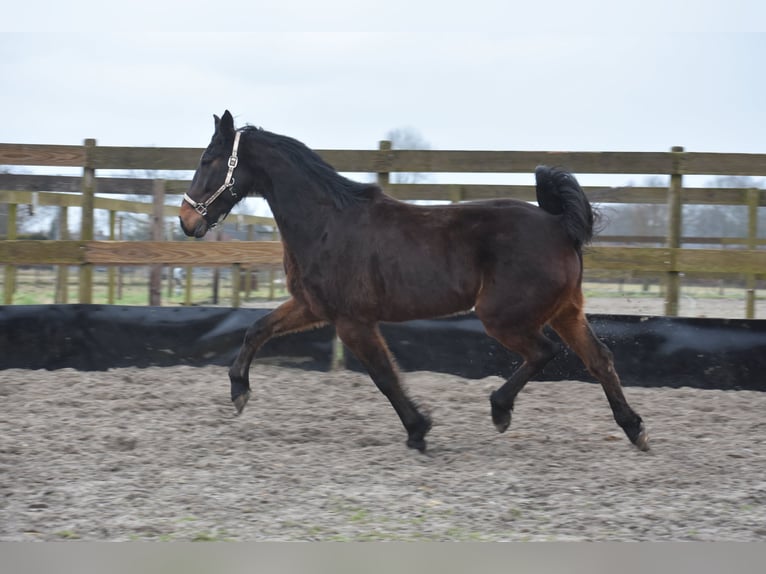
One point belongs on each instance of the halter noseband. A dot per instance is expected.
(228, 183)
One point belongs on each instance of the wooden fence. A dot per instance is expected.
(670, 260)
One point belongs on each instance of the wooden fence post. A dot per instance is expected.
(62, 275)
(120, 274)
(272, 272)
(236, 273)
(171, 279)
(456, 193)
(675, 226)
(188, 281)
(112, 271)
(188, 285)
(384, 177)
(86, 226)
(10, 270)
(216, 269)
(158, 231)
(249, 269)
(753, 198)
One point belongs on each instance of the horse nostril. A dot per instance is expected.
(200, 229)
(183, 227)
(194, 232)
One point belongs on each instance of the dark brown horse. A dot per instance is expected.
(355, 256)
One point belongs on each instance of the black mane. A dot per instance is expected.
(342, 191)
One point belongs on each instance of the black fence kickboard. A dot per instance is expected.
(649, 351)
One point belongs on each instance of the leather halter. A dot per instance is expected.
(201, 207)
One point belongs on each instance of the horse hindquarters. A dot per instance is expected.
(526, 294)
(516, 301)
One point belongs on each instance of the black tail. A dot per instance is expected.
(559, 193)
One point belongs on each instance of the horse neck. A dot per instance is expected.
(300, 208)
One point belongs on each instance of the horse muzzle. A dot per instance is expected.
(192, 223)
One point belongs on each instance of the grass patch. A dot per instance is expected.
(37, 286)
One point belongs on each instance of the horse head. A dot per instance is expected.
(219, 182)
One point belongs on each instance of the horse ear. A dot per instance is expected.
(217, 121)
(225, 125)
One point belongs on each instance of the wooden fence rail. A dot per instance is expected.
(213, 254)
(671, 259)
(386, 160)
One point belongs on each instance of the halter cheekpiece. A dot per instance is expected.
(228, 183)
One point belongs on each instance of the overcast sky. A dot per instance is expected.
(500, 79)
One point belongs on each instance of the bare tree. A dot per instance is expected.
(407, 138)
(641, 219)
(34, 220)
(720, 220)
(31, 220)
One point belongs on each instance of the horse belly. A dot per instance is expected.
(427, 290)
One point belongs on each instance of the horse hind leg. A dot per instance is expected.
(574, 329)
(367, 344)
(289, 317)
(537, 351)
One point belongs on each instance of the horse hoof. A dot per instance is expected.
(241, 401)
(418, 444)
(642, 440)
(500, 417)
(416, 438)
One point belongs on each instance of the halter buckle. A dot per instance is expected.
(201, 208)
(233, 161)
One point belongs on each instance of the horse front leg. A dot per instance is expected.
(291, 316)
(367, 344)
